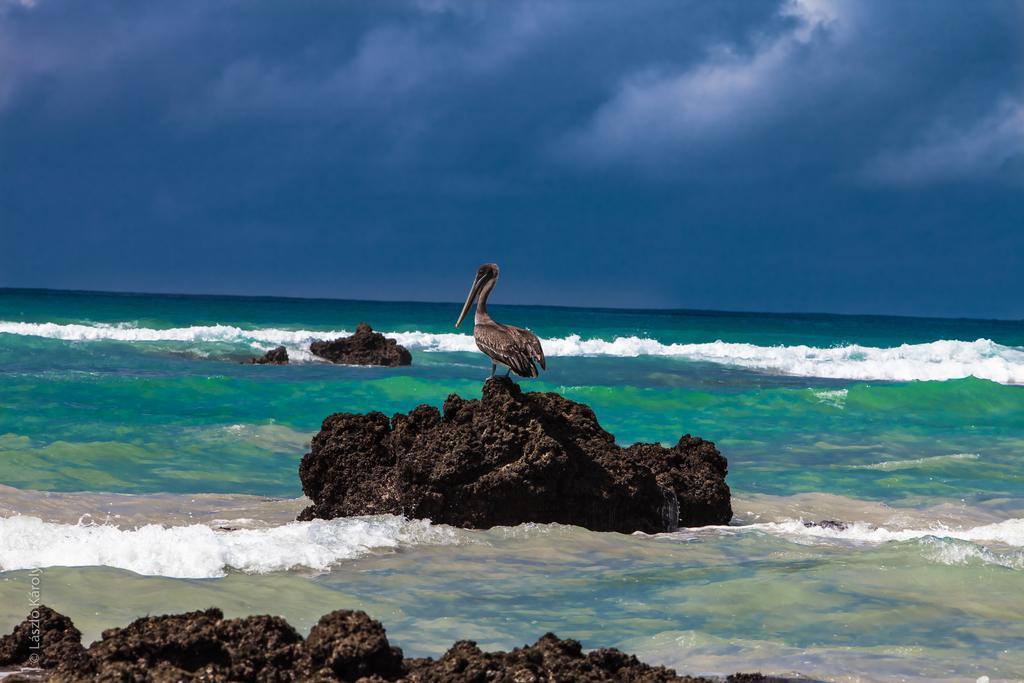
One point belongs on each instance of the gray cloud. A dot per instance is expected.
(660, 112)
(771, 146)
(989, 148)
(392, 62)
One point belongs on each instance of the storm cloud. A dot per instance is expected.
(795, 155)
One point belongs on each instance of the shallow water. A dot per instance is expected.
(699, 600)
(143, 397)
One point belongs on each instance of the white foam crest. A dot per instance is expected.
(199, 551)
(428, 341)
(196, 333)
(938, 360)
(1008, 532)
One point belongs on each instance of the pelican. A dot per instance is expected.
(513, 347)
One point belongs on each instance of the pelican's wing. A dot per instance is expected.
(532, 344)
(538, 350)
(503, 345)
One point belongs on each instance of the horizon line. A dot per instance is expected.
(736, 312)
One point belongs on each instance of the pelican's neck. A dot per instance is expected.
(481, 304)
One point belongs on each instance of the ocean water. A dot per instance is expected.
(132, 439)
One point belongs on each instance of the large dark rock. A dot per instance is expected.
(345, 646)
(549, 659)
(365, 347)
(194, 644)
(44, 639)
(509, 458)
(277, 356)
(349, 646)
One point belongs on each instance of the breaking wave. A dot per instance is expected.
(938, 360)
(1009, 532)
(200, 551)
(940, 543)
(203, 551)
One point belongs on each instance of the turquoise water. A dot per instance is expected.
(914, 427)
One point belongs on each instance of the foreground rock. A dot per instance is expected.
(549, 659)
(510, 458)
(278, 356)
(45, 639)
(343, 646)
(167, 647)
(365, 347)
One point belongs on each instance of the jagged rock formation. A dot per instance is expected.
(44, 639)
(343, 646)
(509, 458)
(346, 645)
(549, 659)
(169, 646)
(365, 347)
(278, 356)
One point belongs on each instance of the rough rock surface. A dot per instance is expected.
(180, 646)
(549, 659)
(343, 646)
(365, 347)
(278, 356)
(348, 646)
(509, 458)
(45, 639)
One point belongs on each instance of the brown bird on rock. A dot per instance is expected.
(515, 348)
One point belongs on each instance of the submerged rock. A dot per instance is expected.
(278, 356)
(509, 458)
(365, 347)
(344, 646)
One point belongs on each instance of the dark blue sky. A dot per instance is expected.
(815, 155)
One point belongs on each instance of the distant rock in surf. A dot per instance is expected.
(832, 524)
(344, 645)
(278, 356)
(506, 459)
(365, 347)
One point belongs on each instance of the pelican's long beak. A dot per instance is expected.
(473, 291)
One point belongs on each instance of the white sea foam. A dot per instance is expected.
(1008, 532)
(203, 551)
(199, 551)
(938, 360)
(998, 543)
